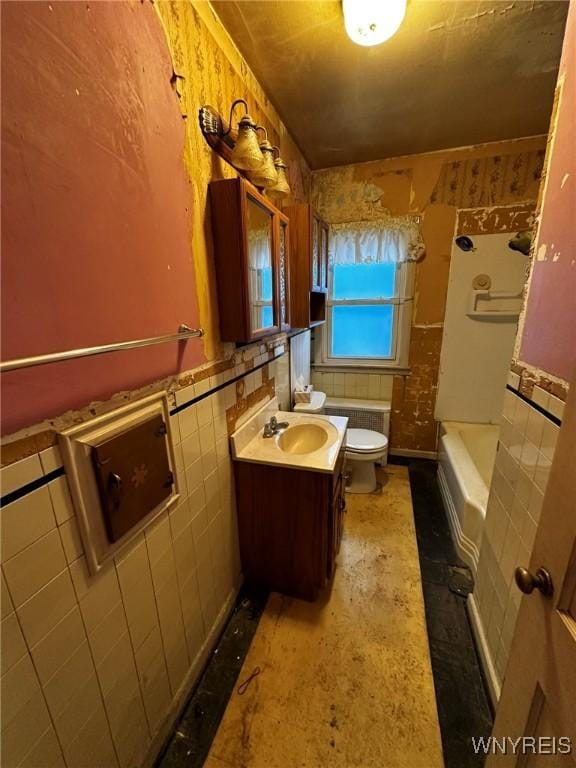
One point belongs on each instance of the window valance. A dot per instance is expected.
(387, 240)
(260, 248)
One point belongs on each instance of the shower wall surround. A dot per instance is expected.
(94, 669)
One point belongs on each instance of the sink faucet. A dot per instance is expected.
(274, 426)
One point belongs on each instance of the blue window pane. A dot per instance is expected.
(362, 331)
(364, 281)
(266, 316)
(266, 284)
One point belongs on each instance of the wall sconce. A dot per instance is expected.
(246, 153)
(371, 22)
(281, 189)
(267, 175)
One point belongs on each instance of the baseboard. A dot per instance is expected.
(467, 550)
(160, 738)
(412, 454)
(492, 680)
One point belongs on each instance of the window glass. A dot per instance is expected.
(362, 330)
(364, 281)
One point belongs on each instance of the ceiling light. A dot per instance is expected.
(246, 154)
(371, 22)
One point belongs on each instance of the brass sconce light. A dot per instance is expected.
(267, 175)
(281, 189)
(255, 161)
(246, 154)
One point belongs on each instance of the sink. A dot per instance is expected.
(302, 438)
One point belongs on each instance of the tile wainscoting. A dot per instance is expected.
(364, 386)
(95, 669)
(528, 434)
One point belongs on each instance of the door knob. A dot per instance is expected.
(528, 582)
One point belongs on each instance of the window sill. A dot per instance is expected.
(382, 370)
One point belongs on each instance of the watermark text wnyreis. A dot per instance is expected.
(523, 745)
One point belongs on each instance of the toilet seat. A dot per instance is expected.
(363, 441)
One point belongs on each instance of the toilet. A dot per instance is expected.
(364, 447)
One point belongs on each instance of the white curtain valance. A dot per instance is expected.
(390, 240)
(259, 248)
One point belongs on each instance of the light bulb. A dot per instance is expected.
(371, 22)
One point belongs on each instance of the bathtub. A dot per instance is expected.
(466, 456)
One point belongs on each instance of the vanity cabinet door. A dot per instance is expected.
(261, 269)
(283, 235)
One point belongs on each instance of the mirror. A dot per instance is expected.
(261, 277)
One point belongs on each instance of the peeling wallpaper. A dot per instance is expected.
(209, 70)
(503, 176)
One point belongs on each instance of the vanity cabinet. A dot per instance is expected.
(251, 248)
(308, 266)
(290, 525)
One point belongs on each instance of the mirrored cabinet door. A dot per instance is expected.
(260, 262)
(283, 272)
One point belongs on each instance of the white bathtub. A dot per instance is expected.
(466, 457)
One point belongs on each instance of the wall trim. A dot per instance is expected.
(534, 405)
(492, 680)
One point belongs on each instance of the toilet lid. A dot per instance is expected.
(365, 440)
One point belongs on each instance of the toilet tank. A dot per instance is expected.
(362, 414)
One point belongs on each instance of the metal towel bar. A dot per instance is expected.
(184, 332)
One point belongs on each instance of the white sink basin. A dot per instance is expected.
(303, 438)
(310, 441)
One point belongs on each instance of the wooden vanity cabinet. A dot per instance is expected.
(290, 525)
(251, 242)
(308, 266)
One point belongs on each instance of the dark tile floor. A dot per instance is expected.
(463, 706)
(190, 744)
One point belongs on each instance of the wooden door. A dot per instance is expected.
(538, 699)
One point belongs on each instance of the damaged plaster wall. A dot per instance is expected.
(96, 232)
(435, 186)
(107, 233)
(547, 341)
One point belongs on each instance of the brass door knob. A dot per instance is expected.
(527, 582)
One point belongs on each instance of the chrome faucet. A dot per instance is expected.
(274, 426)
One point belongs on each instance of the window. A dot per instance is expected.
(369, 311)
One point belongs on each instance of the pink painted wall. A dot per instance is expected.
(96, 223)
(549, 332)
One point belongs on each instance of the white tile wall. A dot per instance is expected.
(90, 666)
(365, 386)
(523, 460)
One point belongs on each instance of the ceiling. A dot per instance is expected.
(457, 73)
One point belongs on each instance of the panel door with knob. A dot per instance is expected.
(539, 691)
